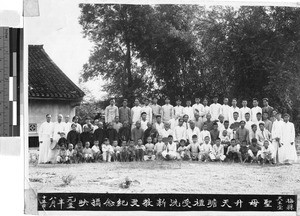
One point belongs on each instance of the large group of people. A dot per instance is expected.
(148, 131)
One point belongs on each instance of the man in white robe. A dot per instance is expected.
(58, 128)
(276, 135)
(215, 109)
(111, 112)
(136, 112)
(45, 139)
(287, 152)
(167, 111)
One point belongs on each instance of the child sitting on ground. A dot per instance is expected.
(254, 151)
(183, 151)
(78, 152)
(194, 148)
(131, 151)
(149, 150)
(267, 153)
(233, 151)
(170, 153)
(205, 149)
(107, 150)
(140, 150)
(123, 151)
(87, 153)
(117, 150)
(244, 151)
(160, 146)
(225, 139)
(62, 155)
(70, 154)
(96, 151)
(217, 153)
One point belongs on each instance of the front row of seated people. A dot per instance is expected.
(166, 149)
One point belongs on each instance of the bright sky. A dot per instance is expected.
(57, 28)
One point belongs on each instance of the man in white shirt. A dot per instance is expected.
(156, 109)
(159, 125)
(179, 131)
(178, 110)
(206, 109)
(135, 113)
(225, 109)
(287, 152)
(256, 109)
(221, 123)
(244, 110)
(276, 135)
(215, 109)
(188, 110)
(167, 111)
(259, 119)
(144, 121)
(68, 124)
(198, 108)
(111, 112)
(263, 134)
(193, 130)
(234, 109)
(249, 123)
(45, 139)
(204, 133)
(148, 110)
(58, 128)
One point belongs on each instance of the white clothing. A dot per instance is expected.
(198, 108)
(203, 134)
(68, 127)
(254, 111)
(45, 133)
(159, 127)
(179, 133)
(190, 133)
(144, 124)
(215, 111)
(95, 149)
(177, 112)
(243, 111)
(233, 110)
(136, 114)
(189, 111)
(287, 152)
(166, 133)
(248, 124)
(111, 112)
(166, 112)
(148, 111)
(226, 111)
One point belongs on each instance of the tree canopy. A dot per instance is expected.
(189, 50)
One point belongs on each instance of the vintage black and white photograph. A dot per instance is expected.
(164, 98)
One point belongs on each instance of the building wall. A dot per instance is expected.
(39, 108)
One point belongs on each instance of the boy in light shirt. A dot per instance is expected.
(205, 149)
(254, 151)
(156, 109)
(160, 146)
(107, 150)
(203, 134)
(217, 153)
(188, 110)
(248, 121)
(215, 109)
(148, 110)
(62, 155)
(183, 152)
(198, 107)
(225, 109)
(194, 148)
(244, 109)
(167, 111)
(140, 150)
(116, 152)
(233, 151)
(87, 153)
(170, 153)
(178, 110)
(206, 109)
(70, 154)
(149, 150)
(267, 153)
(256, 109)
(96, 151)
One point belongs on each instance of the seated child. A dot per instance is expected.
(140, 150)
(225, 140)
(78, 151)
(183, 151)
(244, 151)
(233, 151)
(217, 153)
(267, 153)
(254, 151)
(194, 148)
(160, 146)
(205, 149)
(62, 140)
(123, 151)
(149, 150)
(155, 140)
(96, 151)
(131, 151)
(87, 152)
(117, 150)
(107, 150)
(62, 155)
(70, 154)
(170, 153)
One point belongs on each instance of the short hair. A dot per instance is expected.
(259, 113)
(182, 140)
(143, 113)
(226, 121)
(247, 113)
(106, 139)
(245, 100)
(158, 116)
(286, 114)
(266, 113)
(170, 136)
(215, 123)
(234, 99)
(167, 98)
(218, 138)
(232, 140)
(215, 96)
(235, 112)
(125, 100)
(253, 125)
(194, 136)
(254, 99)
(265, 99)
(48, 115)
(254, 140)
(242, 121)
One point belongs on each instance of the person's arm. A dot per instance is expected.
(292, 133)
(40, 131)
(116, 111)
(150, 115)
(131, 114)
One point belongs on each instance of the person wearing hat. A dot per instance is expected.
(267, 108)
(111, 112)
(287, 153)
(167, 111)
(58, 128)
(148, 110)
(215, 109)
(255, 109)
(263, 134)
(124, 112)
(156, 109)
(242, 133)
(45, 132)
